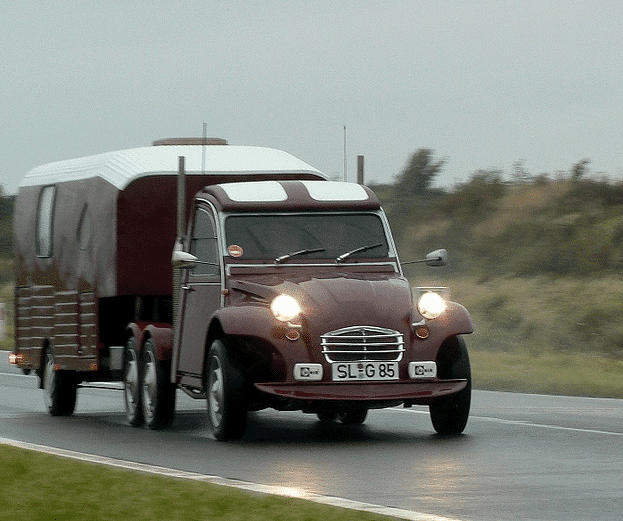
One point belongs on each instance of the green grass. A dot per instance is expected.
(544, 315)
(37, 486)
(564, 374)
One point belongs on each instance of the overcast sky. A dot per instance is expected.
(483, 83)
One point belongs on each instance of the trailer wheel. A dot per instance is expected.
(449, 414)
(225, 388)
(158, 391)
(132, 395)
(60, 388)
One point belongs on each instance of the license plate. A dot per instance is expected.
(364, 371)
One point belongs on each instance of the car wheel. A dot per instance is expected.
(132, 395)
(60, 388)
(326, 416)
(158, 398)
(225, 389)
(354, 416)
(449, 414)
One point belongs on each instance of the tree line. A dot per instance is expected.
(568, 223)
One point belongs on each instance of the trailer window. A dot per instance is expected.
(45, 214)
(85, 228)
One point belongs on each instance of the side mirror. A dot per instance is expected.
(183, 260)
(437, 258)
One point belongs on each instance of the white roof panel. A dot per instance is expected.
(120, 168)
(335, 191)
(255, 192)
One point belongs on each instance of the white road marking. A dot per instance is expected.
(522, 423)
(19, 375)
(242, 485)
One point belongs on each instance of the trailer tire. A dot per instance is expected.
(60, 388)
(158, 398)
(449, 414)
(225, 389)
(132, 389)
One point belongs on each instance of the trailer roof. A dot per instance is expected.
(122, 167)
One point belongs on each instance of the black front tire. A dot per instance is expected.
(60, 388)
(353, 416)
(449, 414)
(158, 398)
(225, 388)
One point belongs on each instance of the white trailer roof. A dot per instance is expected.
(120, 168)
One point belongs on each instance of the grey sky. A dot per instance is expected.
(484, 84)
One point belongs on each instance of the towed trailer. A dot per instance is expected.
(239, 275)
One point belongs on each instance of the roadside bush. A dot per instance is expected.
(540, 315)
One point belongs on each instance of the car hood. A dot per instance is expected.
(335, 301)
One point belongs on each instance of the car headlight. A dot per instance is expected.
(430, 305)
(285, 308)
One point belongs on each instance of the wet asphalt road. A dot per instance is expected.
(521, 457)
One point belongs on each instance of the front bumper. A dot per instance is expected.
(421, 392)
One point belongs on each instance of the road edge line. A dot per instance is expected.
(217, 480)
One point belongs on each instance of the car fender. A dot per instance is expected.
(246, 321)
(456, 320)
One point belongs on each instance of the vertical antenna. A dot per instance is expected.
(203, 150)
(181, 196)
(344, 152)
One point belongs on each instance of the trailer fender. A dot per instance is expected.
(162, 336)
(135, 330)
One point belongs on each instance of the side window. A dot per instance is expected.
(45, 217)
(85, 228)
(203, 244)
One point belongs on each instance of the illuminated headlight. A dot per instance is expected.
(285, 308)
(431, 305)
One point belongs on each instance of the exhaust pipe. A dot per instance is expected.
(177, 272)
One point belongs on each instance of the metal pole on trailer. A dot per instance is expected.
(179, 241)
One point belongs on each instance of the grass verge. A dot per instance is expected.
(550, 373)
(39, 486)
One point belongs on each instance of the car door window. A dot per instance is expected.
(203, 244)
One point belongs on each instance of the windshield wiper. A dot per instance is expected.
(345, 256)
(281, 258)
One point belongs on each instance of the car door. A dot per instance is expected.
(200, 292)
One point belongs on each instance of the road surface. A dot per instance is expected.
(521, 457)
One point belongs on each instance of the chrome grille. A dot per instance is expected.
(357, 343)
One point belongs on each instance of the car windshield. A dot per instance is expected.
(282, 237)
